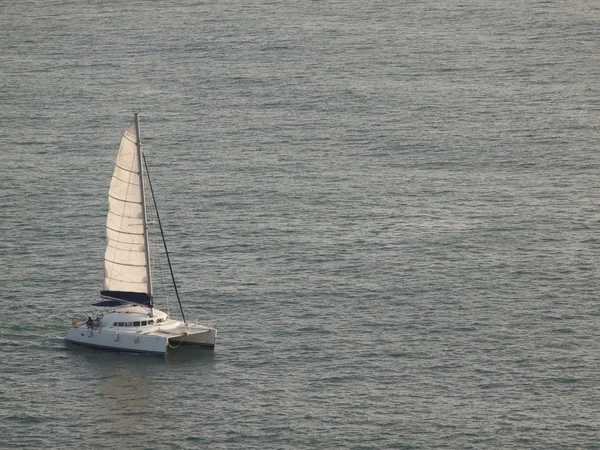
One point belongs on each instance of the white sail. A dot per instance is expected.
(125, 260)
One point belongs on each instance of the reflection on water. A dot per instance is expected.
(181, 355)
(129, 389)
(127, 393)
(125, 385)
(189, 354)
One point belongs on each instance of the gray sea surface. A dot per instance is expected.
(389, 209)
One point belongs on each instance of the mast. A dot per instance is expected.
(144, 215)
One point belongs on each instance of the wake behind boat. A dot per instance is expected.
(134, 324)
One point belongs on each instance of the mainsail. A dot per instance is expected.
(126, 260)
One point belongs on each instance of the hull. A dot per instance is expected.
(140, 330)
(197, 336)
(118, 341)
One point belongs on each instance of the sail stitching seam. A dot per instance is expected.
(122, 180)
(123, 264)
(133, 141)
(122, 232)
(126, 170)
(124, 201)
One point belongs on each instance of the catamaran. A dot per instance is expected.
(134, 324)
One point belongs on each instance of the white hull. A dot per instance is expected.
(113, 340)
(114, 331)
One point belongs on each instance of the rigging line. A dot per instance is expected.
(162, 276)
(174, 346)
(157, 263)
(163, 237)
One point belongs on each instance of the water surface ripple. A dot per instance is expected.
(389, 210)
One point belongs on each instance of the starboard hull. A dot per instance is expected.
(203, 338)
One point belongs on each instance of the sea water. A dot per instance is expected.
(389, 209)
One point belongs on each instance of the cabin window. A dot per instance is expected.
(115, 324)
(144, 323)
(136, 324)
(121, 324)
(151, 322)
(128, 324)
